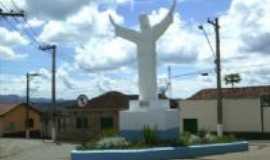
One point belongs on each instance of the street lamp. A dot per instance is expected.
(204, 74)
(207, 38)
(27, 124)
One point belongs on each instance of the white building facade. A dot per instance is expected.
(245, 110)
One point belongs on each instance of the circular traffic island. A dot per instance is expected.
(150, 147)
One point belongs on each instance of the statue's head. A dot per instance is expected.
(144, 22)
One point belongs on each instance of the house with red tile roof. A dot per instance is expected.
(13, 119)
(98, 115)
(246, 110)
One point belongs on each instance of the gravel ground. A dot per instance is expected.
(21, 149)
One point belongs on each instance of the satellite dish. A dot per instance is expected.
(82, 100)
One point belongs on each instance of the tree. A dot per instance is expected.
(232, 79)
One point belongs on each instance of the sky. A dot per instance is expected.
(91, 60)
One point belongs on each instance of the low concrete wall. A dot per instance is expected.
(164, 153)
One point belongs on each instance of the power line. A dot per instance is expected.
(30, 35)
(15, 5)
(207, 38)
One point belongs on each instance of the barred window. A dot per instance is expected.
(85, 122)
(265, 101)
(81, 123)
(78, 123)
(106, 123)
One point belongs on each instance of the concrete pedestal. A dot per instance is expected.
(155, 114)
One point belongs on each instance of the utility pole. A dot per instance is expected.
(27, 124)
(169, 87)
(11, 13)
(53, 90)
(27, 132)
(216, 25)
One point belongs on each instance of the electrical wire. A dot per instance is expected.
(208, 41)
(15, 5)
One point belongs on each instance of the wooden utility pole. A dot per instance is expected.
(216, 25)
(53, 102)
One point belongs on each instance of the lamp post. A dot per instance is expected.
(28, 79)
(53, 49)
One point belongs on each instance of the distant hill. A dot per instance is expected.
(41, 103)
(18, 99)
(10, 99)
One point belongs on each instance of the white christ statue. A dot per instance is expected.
(145, 39)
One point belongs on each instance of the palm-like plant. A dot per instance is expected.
(232, 79)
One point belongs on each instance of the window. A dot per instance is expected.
(64, 123)
(265, 101)
(106, 123)
(11, 126)
(191, 125)
(29, 123)
(59, 124)
(78, 123)
(82, 123)
(85, 122)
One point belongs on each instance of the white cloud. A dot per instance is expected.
(8, 54)
(61, 9)
(34, 22)
(179, 43)
(109, 53)
(11, 38)
(80, 27)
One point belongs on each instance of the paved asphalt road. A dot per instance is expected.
(258, 150)
(20, 149)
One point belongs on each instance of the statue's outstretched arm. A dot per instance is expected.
(125, 33)
(160, 28)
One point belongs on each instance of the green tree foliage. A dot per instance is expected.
(232, 79)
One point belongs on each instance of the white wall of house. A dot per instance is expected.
(240, 115)
(204, 111)
(267, 119)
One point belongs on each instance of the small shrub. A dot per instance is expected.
(202, 133)
(109, 133)
(189, 139)
(112, 143)
(150, 136)
(86, 146)
(184, 138)
(209, 138)
(194, 139)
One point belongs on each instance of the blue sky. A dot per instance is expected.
(91, 60)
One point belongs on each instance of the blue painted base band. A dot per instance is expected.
(133, 135)
(160, 153)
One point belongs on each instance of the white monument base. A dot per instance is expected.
(156, 114)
